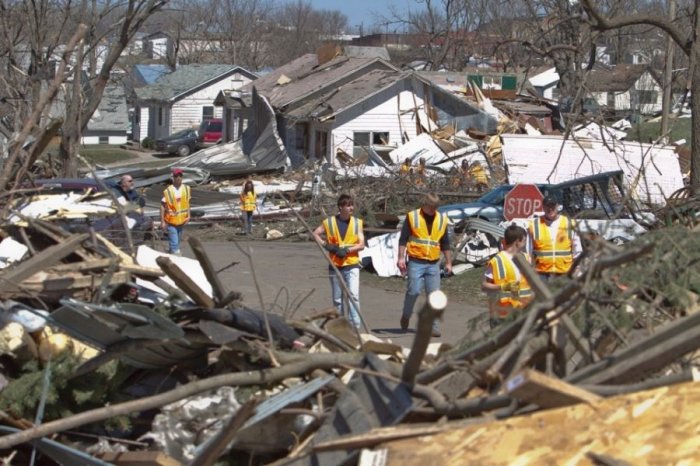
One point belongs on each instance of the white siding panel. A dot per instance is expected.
(380, 116)
(653, 171)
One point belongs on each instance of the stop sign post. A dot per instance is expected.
(522, 201)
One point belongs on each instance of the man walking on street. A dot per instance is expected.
(553, 240)
(507, 289)
(344, 239)
(175, 210)
(423, 236)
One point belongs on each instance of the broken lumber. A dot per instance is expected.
(544, 391)
(184, 282)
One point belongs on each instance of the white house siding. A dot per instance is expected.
(112, 140)
(647, 83)
(379, 113)
(187, 112)
(141, 130)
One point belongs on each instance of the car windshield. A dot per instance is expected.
(181, 134)
(495, 197)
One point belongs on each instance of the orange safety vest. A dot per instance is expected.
(248, 201)
(352, 237)
(424, 244)
(177, 210)
(552, 255)
(504, 271)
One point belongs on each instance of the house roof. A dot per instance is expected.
(337, 99)
(187, 78)
(618, 78)
(111, 114)
(149, 74)
(304, 75)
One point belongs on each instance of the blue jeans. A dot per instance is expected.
(248, 221)
(351, 275)
(174, 236)
(421, 276)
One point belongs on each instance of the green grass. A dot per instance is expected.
(651, 131)
(104, 155)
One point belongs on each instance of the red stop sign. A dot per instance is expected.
(522, 201)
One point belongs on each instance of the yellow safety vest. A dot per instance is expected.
(424, 244)
(552, 255)
(176, 210)
(478, 173)
(405, 169)
(352, 237)
(248, 201)
(504, 271)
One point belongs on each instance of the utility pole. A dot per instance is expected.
(668, 77)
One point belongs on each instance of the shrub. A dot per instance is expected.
(148, 143)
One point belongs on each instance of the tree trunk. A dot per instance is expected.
(695, 115)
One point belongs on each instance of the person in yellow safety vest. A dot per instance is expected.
(420, 172)
(478, 176)
(507, 289)
(405, 170)
(248, 203)
(423, 236)
(175, 210)
(553, 240)
(344, 239)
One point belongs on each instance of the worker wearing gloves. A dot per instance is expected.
(344, 239)
(507, 289)
(553, 240)
(175, 210)
(423, 236)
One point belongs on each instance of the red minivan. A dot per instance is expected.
(210, 132)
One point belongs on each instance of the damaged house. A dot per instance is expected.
(183, 98)
(336, 103)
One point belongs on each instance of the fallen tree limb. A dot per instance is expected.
(262, 377)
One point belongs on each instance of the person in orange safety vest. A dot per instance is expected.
(423, 237)
(344, 239)
(175, 210)
(553, 240)
(507, 289)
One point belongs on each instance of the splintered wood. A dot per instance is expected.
(659, 426)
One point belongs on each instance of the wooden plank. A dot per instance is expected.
(139, 458)
(114, 249)
(141, 271)
(218, 287)
(546, 392)
(184, 282)
(43, 282)
(46, 258)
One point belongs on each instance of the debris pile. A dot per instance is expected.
(152, 358)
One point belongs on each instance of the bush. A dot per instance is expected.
(148, 143)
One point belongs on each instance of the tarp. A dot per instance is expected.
(651, 172)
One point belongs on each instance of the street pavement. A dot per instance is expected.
(293, 280)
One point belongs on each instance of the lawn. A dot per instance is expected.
(100, 154)
(650, 131)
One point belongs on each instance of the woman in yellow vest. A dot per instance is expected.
(478, 176)
(344, 239)
(248, 203)
(175, 210)
(507, 289)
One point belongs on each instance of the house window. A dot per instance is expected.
(363, 139)
(103, 140)
(491, 82)
(207, 112)
(160, 116)
(647, 97)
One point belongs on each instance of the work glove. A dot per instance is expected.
(331, 248)
(341, 252)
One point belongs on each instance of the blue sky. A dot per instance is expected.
(365, 11)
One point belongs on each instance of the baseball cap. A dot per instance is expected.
(550, 200)
(177, 171)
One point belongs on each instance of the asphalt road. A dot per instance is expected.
(293, 279)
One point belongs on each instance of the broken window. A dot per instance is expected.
(363, 139)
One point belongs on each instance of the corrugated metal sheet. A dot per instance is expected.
(651, 172)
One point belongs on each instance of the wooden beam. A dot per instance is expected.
(12, 277)
(546, 392)
(184, 282)
(218, 287)
(139, 458)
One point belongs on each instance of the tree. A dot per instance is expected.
(33, 37)
(685, 32)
